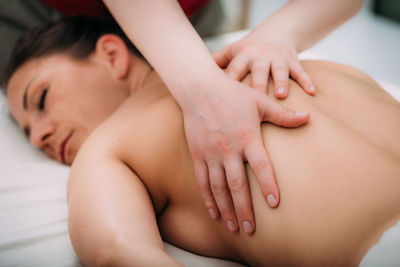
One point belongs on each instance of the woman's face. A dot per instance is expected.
(58, 101)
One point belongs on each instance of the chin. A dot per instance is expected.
(71, 159)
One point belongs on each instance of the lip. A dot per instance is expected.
(62, 147)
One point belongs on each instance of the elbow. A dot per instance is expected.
(97, 250)
(102, 258)
(105, 253)
(118, 251)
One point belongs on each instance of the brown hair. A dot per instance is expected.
(75, 36)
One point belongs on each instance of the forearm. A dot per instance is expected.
(166, 38)
(302, 23)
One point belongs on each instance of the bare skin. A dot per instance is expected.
(266, 50)
(132, 183)
(338, 183)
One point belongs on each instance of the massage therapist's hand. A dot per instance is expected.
(272, 47)
(222, 128)
(222, 117)
(262, 58)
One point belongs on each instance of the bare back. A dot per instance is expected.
(339, 175)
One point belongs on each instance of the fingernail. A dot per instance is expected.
(301, 113)
(213, 213)
(247, 227)
(281, 90)
(271, 200)
(312, 88)
(231, 226)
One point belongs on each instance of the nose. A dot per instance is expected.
(41, 131)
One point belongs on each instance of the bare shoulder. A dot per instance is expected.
(96, 151)
(323, 68)
(145, 137)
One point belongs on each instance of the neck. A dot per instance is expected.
(140, 76)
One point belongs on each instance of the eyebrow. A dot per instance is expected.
(25, 99)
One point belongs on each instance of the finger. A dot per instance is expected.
(239, 187)
(280, 74)
(280, 115)
(238, 67)
(223, 57)
(222, 196)
(261, 166)
(201, 172)
(301, 77)
(259, 77)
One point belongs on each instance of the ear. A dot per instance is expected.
(111, 49)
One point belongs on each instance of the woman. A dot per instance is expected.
(271, 48)
(132, 183)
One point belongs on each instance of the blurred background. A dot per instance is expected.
(370, 41)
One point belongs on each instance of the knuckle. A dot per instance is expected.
(284, 110)
(295, 66)
(209, 150)
(233, 69)
(247, 135)
(279, 68)
(261, 164)
(203, 185)
(218, 188)
(223, 145)
(259, 68)
(196, 153)
(237, 184)
(213, 146)
(248, 50)
(282, 114)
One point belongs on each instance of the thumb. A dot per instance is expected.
(222, 57)
(280, 115)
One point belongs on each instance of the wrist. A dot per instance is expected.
(195, 85)
(289, 31)
(272, 35)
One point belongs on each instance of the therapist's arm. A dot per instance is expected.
(272, 47)
(221, 116)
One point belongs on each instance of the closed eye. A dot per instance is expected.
(42, 99)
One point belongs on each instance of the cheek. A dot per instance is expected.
(68, 104)
(85, 98)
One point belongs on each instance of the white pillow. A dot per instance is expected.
(33, 225)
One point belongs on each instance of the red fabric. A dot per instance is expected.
(96, 8)
(93, 8)
(191, 7)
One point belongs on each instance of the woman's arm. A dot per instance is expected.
(273, 45)
(302, 23)
(221, 117)
(111, 217)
